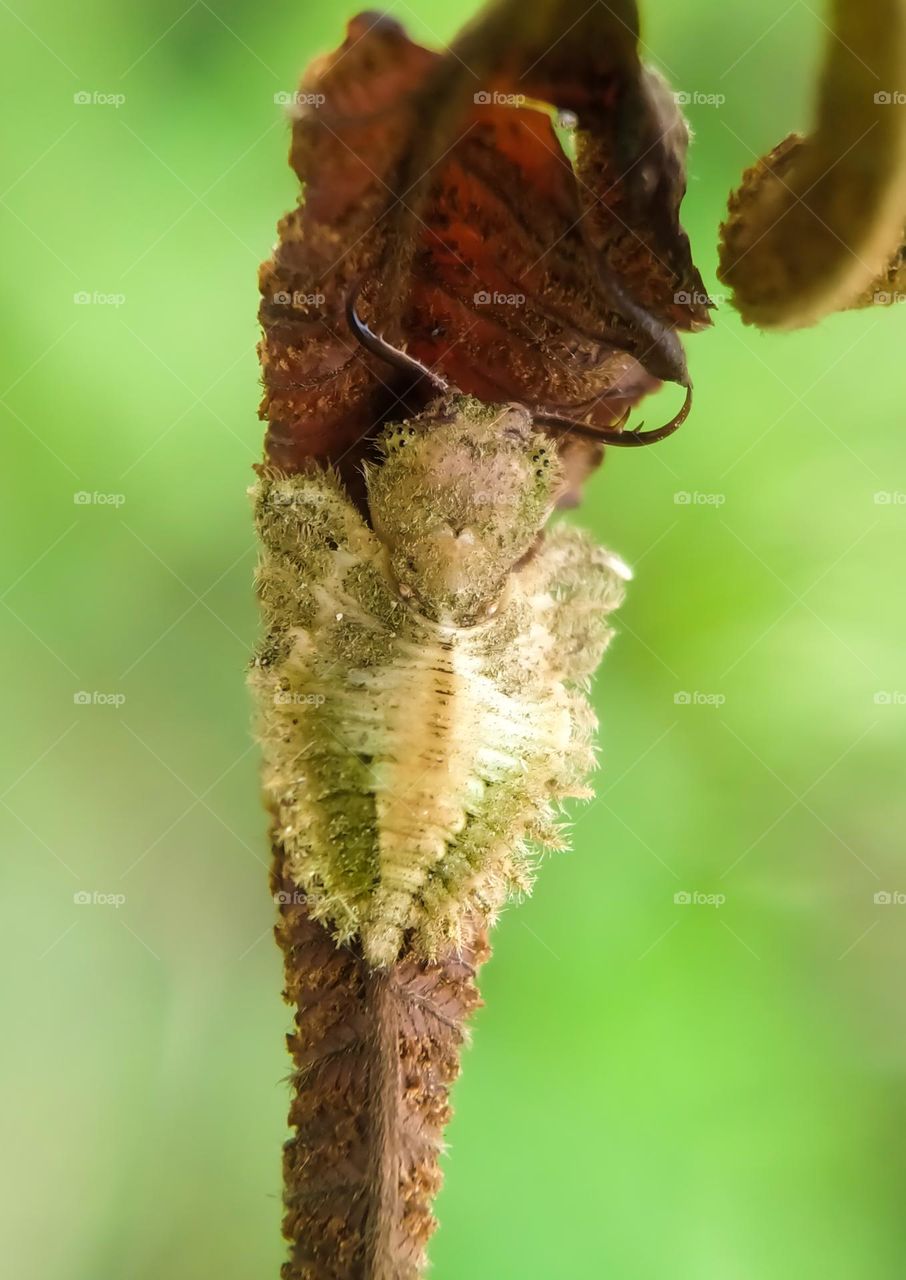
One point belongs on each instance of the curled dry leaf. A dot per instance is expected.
(816, 225)
(439, 182)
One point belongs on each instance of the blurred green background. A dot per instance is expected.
(655, 1089)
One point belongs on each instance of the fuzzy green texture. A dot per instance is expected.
(421, 686)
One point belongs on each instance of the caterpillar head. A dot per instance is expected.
(460, 496)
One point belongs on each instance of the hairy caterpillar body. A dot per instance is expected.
(421, 683)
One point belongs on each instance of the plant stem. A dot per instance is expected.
(375, 1054)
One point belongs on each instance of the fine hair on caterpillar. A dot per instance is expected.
(616, 436)
(421, 684)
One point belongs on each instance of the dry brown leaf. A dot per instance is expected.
(818, 220)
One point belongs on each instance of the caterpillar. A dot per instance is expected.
(421, 683)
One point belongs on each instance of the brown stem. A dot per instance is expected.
(375, 1054)
(385, 1091)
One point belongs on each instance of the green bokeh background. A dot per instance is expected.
(654, 1090)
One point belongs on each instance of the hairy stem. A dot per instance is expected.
(380, 1251)
(375, 1054)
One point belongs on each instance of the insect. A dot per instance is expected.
(421, 687)
(421, 681)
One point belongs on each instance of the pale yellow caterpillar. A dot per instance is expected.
(421, 685)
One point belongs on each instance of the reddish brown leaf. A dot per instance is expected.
(478, 244)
